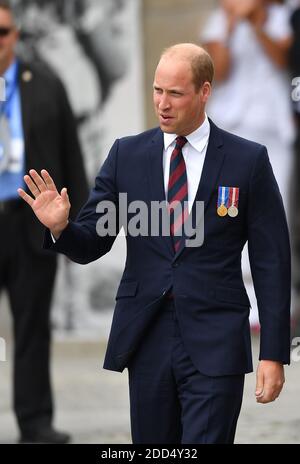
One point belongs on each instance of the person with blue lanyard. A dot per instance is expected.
(37, 128)
(12, 139)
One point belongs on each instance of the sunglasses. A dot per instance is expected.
(5, 31)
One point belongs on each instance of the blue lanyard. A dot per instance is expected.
(5, 106)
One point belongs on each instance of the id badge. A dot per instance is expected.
(5, 143)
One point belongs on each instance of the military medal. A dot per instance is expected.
(233, 202)
(222, 210)
(233, 211)
(223, 193)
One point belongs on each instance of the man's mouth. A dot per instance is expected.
(165, 117)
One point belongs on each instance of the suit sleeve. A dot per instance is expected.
(270, 261)
(81, 241)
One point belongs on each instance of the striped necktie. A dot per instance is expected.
(178, 192)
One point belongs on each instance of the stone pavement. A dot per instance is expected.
(93, 405)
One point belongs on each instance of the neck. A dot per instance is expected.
(5, 64)
(200, 122)
(202, 119)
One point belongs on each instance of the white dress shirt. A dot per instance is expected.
(194, 152)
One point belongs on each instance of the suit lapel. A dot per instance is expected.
(156, 177)
(26, 83)
(211, 169)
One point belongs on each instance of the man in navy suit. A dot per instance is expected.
(180, 324)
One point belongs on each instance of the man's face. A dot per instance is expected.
(180, 109)
(8, 36)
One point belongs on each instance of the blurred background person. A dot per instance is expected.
(83, 41)
(249, 42)
(86, 43)
(294, 61)
(36, 128)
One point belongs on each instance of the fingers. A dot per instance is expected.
(35, 183)
(26, 197)
(38, 184)
(268, 396)
(32, 186)
(39, 181)
(269, 393)
(259, 390)
(48, 180)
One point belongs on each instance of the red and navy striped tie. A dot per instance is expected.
(178, 192)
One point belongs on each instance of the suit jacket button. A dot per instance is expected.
(175, 264)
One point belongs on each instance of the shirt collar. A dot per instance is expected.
(10, 75)
(198, 139)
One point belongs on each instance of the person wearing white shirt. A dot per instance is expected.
(249, 42)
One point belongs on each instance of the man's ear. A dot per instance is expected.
(205, 91)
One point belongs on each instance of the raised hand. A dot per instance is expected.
(242, 9)
(50, 207)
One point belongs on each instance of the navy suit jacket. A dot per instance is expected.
(210, 298)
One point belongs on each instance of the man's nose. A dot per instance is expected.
(164, 102)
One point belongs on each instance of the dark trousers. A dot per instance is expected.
(28, 276)
(170, 400)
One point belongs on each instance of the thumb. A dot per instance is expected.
(259, 383)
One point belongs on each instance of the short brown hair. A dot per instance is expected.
(201, 63)
(202, 69)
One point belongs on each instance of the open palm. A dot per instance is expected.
(50, 207)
